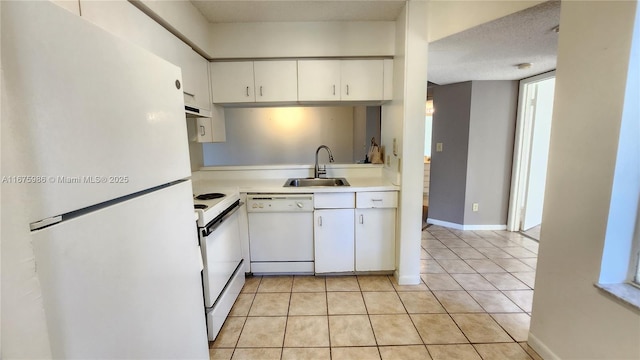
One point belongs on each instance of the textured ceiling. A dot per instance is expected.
(218, 11)
(493, 50)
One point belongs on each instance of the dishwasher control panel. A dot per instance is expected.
(279, 202)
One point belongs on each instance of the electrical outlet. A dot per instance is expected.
(474, 207)
(438, 147)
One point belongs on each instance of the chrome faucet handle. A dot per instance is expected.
(322, 171)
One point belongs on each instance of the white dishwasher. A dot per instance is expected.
(281, 233)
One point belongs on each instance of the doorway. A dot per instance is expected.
(533, 132)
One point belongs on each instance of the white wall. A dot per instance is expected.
(302, 39)
(285, 135)
(408, 117)
(571, 318)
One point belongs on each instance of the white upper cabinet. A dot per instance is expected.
(318, 80)
(345, 80)
(124, 20)
(232, 82)
(276, 81)
(195, 79)
(254, 81)
(361, 80)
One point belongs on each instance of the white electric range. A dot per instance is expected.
(219, 236)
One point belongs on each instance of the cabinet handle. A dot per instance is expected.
(202, 130)
(376, 199)
(247, 91)
(319, 220)
(334, 89)
(361, 219)
(260, 90)
(347, 89)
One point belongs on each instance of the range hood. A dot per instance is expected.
(196, 112)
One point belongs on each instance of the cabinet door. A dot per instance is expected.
(195, 79)
(212, 129)
(232, 82)
(318, 80)
(361, 80)
(375, 243)
(124, 20)
(333, 240)
(276, 80)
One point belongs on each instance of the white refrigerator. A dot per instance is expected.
(96, 195)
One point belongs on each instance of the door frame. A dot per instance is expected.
(521, 152)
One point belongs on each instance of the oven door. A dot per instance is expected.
(221, 252)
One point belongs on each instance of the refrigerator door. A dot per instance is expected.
(124, 281)
(93, 116)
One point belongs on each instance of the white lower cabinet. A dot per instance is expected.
(375, 230)
(375, 233)
(333, 232)
(333, 240)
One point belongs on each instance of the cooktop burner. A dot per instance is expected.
(210, 196)
(200, 206)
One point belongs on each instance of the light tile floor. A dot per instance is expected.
(474, 302)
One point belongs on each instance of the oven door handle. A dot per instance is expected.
(213, 225)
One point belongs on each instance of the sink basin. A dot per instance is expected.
(305, 182)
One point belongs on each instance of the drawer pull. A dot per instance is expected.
(376, 199)
(361, 219)
(319, 220)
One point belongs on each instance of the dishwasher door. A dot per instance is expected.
(281, 235)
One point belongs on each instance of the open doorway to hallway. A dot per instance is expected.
(531, 153)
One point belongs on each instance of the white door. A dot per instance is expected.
(96, 116)
(375, 239)
(334, 240)
(318, 80)
(531, 151)
(275, 236)
(232, 82)
(221, 253)
(124, 281)
(276, 80)
(541, 135)
(362, 80)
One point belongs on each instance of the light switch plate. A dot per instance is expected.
(438, 147)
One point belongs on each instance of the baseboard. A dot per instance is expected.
(541, 348)
(465, 227)
(444, 223)
(406, 280)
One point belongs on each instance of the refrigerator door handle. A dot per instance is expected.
(45, 222)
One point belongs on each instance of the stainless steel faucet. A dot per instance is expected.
(317, 171)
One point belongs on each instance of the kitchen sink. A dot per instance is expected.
(305, 182)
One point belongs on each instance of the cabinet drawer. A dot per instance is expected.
(334, 200)
(377, 199)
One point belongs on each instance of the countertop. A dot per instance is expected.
(276, 186)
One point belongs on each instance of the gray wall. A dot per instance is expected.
(287, 135)
(452, 105)
(475, 121)
(491, 135)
